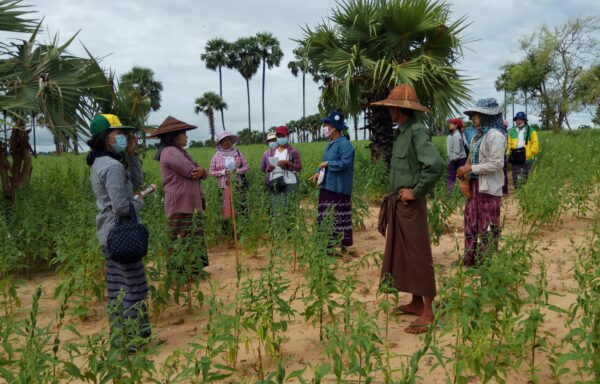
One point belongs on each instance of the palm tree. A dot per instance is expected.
(11, 17)
(61, 90)
(245, 58)
(369, 46)
(141, 81)
(216, 56)
(271, 55)
(300, 65)
(208, 104)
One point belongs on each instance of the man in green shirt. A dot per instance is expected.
(415, 167)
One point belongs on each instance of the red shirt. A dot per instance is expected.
(182, 193)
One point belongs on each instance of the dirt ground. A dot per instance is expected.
(177, 327)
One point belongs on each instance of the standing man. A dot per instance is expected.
(415, 167)
(522, 149)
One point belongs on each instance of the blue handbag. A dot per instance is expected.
(127, 242)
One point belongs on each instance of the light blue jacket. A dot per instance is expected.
(339, 173)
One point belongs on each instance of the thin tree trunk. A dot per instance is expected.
(33, 129)
(248, 91)
(57, 147)
(17, 174)
(303, 94)
(211, 124)
(263, 95)
(355, 118)
(221, 94)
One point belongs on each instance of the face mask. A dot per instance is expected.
(272, 144)
(521, 125)
(327, 131)
(120, 144)
(282, 141)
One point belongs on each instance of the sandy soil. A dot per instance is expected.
(177, 327)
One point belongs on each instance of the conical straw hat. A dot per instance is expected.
(403, 96)
(171, 124)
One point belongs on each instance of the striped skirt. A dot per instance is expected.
(127, 293)
(482, 224)
(188, 243)
(341, 206)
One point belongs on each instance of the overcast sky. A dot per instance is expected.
(169, 36)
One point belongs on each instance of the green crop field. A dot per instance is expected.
(290, 312)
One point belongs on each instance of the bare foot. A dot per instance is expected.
(409, 309)
(420, 325)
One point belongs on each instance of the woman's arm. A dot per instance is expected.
(295, 164)
(177, 162)
(120, 197)
(217, 166)
(243, 166)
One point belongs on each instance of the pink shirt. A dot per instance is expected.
(182, 193)
(217, 167)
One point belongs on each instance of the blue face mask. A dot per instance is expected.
(121, 143)
(282, 141)
(272, 144)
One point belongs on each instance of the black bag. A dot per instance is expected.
(277, 184)
(127, 242)
(518, 156)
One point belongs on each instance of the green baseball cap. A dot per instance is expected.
(101, 123)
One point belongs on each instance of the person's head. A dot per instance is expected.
(176, 138)
(484, 109)
(476, 120)
(108, 135)
(454, 124)
(402, 102)
(282, 134)
(226, 141)
(520, 119)
(401, 115)
(271, 140)
(333, 125)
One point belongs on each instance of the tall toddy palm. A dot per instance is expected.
(208, 104)
(271, 55)
(244, 56)
(215, 57)
(369, 46)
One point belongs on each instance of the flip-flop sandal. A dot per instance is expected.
(421, 328)
(398, 311)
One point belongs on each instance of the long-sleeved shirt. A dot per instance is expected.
(490, 162)
(135, 171)
(217, 167)
(339, 173)
(112, 186)
(183, 194)
(415, 163)
(295, 164)
(469, 133)
(455, 146)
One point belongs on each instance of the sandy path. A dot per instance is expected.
(178, 327)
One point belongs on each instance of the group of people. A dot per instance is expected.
(521, 150)
(415, 167)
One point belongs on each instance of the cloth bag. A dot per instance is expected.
(127, 242)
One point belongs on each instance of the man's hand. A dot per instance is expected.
(198, 173)
(131, 144)
(405, 195)
(464, 171)
(270, 168)
(324, 164)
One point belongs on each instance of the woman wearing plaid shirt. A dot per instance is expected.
(227, 161)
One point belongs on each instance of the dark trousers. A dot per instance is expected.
(520, 173)
(452, 168)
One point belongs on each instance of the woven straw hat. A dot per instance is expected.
(171, 124)
(403, 96)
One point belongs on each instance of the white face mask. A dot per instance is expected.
(521, 125)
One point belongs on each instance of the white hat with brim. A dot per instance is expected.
(234, 139)
(485, 107)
